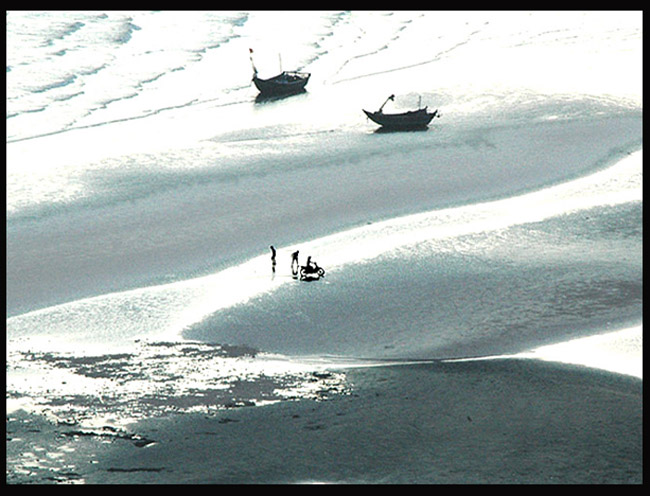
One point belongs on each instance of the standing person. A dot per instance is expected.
(273, 258)
(294, 262)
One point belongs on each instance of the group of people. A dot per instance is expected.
(311, 266)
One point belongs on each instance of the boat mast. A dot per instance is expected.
(250, 54)
(392, 97)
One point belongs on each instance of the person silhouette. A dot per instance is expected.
(273, 252)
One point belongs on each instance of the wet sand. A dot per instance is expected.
(497, 421)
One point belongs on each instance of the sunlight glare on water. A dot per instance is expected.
(102, 321)
(619, 352)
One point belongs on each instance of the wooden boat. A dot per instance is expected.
(413, 119)
(285, 83)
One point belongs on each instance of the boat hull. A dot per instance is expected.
(286, 83)
(417, 119)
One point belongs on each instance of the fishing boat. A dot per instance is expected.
(413, 119)
(285, 83)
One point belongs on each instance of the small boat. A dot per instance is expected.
(413, 119)
(285, 83)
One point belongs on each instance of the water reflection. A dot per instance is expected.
(388, 130)
(161, 378)
(263, 99)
